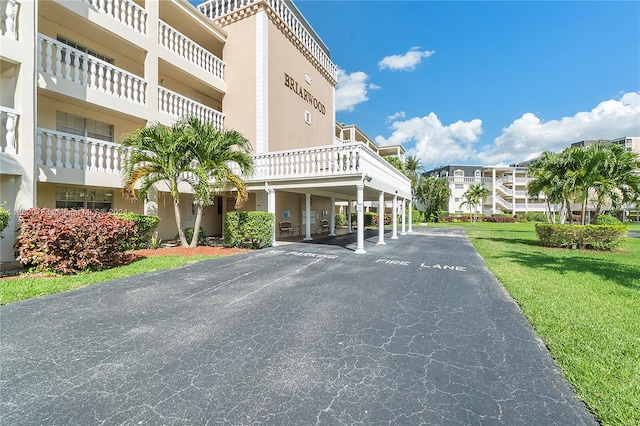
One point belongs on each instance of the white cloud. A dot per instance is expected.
(435, 143)
(352, 89)
(399, 114)
(528, 136)
(406, 62)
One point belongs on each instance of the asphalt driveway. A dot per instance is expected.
(417, 331)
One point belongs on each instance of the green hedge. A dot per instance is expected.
(188, 235)
(595, 237)
(606, 219)
(341, 220)
(4, 220)
(146, 226)
(248, 229)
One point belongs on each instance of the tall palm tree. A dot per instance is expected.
(216, 151)
(473, 196)
(159, 154)
(548, 179)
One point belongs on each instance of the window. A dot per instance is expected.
(459, 186)
(307, 117)
(458, 173)
(444, 173)
(477, 173)
(76, 125)
(84, 198)
(82, 48)
(459, 200)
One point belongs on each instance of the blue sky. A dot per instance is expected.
(483, 82)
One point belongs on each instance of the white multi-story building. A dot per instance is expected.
(507, 186)
(77, 75)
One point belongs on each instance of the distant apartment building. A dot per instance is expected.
(507, 185)
(78, 75)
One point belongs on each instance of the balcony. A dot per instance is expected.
(9, 12)
(177, 106)
(8, 137)
(71, 151)
(64, 62)
(124, 11)
(216, 8)
(181, 45)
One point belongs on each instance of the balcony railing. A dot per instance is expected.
(58, 59)
(8, 139)
(124, 11)
(217, 8)
(183, 46)
(179, 106)
(9, 10)
(78, 152)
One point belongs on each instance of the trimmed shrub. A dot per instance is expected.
(188, 234)
(341, 220)
(369, 219)
(67, 241)
(499, 219)
(536, 217)
(146, 227)
(248, 229)
(595, 237)
(605, 219)
(4, 221)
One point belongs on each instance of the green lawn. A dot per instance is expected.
(585, 305)
(20, 288)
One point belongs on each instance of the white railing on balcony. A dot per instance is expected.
(58, 59)
(183, 46)
(467, 180)
(78, 152)
(8, 137)
(217, 8)
(179, 106)
(9, 10)
(125, 11)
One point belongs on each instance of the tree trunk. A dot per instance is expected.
(196, 227)
(583, 219)
(176, 210)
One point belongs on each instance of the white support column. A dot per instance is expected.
(332, 217)
(307, 228)
(394, 217)
(150, 205)
(271, 208)
(493, 191)
(513, 189)
(381, 219)
(404, 213)
(410, 216)
(360, 212)
(349, 227)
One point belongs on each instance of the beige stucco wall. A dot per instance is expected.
(46, 193)
(287, 126)
(239, 103)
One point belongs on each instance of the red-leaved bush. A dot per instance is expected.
(67, 241)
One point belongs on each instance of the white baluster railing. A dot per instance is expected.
(215, 8)
(9, 11)
(177, 105)
(65, 62)
(8, 139)
(183, 46)
(78, 152)
(126, 12)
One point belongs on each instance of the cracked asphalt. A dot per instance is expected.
(417, 331)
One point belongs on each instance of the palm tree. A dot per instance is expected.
(216, 152)
(159, 154)
(474, 195)
(412, 169)
(548, 179)
(433, 192)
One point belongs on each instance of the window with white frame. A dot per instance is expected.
(477, 173)
(459, 186)
(307, 117)
(84, 198)
(76, 125)
(458, 173)
(84, 49)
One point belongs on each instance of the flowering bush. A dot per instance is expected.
(68, 241)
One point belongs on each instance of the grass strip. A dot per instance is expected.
(25, 287)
